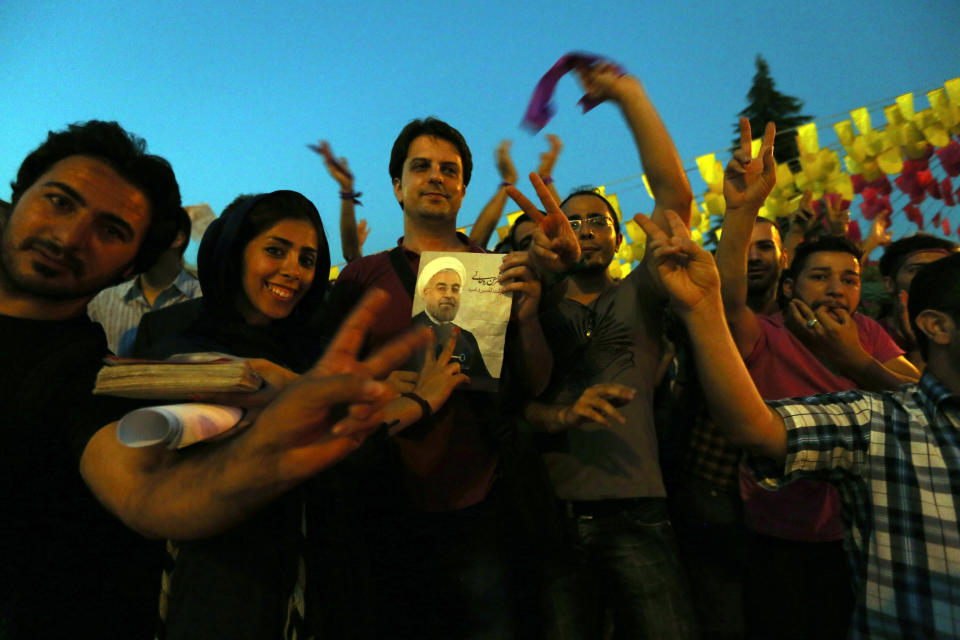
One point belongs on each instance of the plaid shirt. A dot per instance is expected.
(895, 457)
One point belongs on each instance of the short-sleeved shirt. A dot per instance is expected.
(782, 367)
(607, 340)
(462, 457)
(895, 458)
(120, 308)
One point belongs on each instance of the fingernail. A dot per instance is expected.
(372, 388)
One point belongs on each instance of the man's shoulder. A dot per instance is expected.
(109, 297)
(365, 269)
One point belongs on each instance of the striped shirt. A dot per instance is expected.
(895, 457)
(120, 308)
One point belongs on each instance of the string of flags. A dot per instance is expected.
(883, 164)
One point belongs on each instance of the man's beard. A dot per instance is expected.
(39, 287)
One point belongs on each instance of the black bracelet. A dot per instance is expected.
(424, 405)
(353, 196)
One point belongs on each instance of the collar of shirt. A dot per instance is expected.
(933, 393)
(184, 283)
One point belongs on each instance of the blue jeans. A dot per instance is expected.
(623, 569)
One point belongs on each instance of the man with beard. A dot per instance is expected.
(440, 284)
(818, 344)
(89, 208)
(766, 260)
(596, 418)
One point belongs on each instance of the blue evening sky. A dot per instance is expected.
(230, 92)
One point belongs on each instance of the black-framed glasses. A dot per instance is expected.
(597, 221)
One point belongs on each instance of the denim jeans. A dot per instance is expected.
(623, 570)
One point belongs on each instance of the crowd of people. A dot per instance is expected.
(712, 446)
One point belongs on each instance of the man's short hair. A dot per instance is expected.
(586, 191)
(936, 286)
(126, 154)
(897, 252)
(434, 128)
(804, 250)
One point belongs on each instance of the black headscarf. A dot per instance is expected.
(291, 341)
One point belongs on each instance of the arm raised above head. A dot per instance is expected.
(689, 276)
(747, 183)
(658, 155)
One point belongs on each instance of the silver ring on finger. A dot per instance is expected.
(811, 322)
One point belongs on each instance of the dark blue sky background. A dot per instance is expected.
(230, 92)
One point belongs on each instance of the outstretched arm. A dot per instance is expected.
(490, 214)
(747, 183)
(548, 159)
(350, 236)
(315, 421)
(690, 278)
(658, 155)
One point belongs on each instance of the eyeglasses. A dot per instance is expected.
(597, 221)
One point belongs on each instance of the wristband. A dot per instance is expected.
(548, 180)
(353, 196)
(506, 184)
(424, 405)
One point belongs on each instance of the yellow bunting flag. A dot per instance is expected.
(893, 115)
(953, 90)
(861, 118)
(646, 184)
(845, 133)
(503, 231)
(634, 232)
(334, 272)
(905, 104)
(807, 138)
(512, 217)
(890, 161)
(707, 165)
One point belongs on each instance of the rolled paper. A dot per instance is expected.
(176, 425)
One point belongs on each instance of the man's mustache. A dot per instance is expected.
(70, 261)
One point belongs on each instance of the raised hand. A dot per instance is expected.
(838, 217)
(508, 173)
(327, 412)
(880, 234)
(747, 181)
(605, 81)
(363, 232)
(554, 245)
(548, 159)
(684, 269)
(337, 168)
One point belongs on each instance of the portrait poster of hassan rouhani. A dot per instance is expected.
(463, 290)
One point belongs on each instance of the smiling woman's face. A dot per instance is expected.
(278, 268)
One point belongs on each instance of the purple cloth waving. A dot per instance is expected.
(540, 110)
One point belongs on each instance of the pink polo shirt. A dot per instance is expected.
(782, 367)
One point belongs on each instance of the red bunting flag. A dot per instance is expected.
(946, 190)
(853, 232)
(946, 226)
(950, 158)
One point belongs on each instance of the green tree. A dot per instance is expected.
(766, 104)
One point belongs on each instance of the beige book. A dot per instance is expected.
(179, 377)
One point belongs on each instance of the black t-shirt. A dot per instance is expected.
(69, 568)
